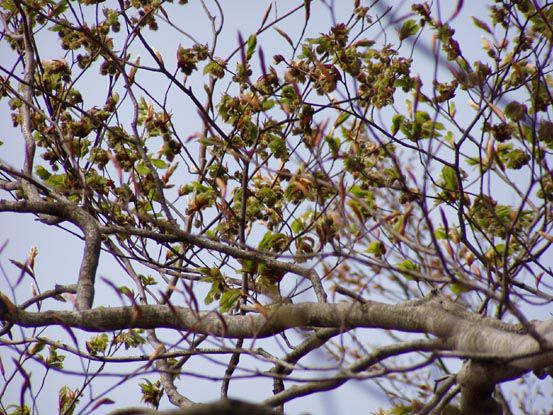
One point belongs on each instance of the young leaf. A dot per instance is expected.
(407, 268)
(142, 169)
(42, 173)
(252, 43)
(160, 164)
(482, 25)
(228, 300)
(449, 177)
(376, 248)
(285, 36)
(408, 29)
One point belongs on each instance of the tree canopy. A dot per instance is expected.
(301, 196)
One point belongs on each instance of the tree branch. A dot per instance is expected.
(92, 238)
(223, 407)
(176, 235)
(517, 352)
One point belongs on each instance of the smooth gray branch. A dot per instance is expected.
(460, 331)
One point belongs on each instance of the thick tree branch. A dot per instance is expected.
(223, 407)
(29, 65)
(92, 239)
(477, 381)
(518, 352)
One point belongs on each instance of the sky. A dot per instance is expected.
(60, 252)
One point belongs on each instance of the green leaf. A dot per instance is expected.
(471, 161)
(503, 213)
(67, 400)
(452, 109)
(459, 288)
(36, 347)
(248, 265)
(449, 177)
(396, 122)
(160, 164)
(333, 145)
(421, 117)
(252, 43)
(56, 180)
(54, 359)
(211, 274)
(517, 158)
(482, 25)
(228, 300)
(130, 339)
(376, 248)
(97, 344)
(213, 294)
(449, 138)
(407, 268)
(440, 233)
(19, 410)
(275, 242)
(151, 392)
(279, 148)
(142, 169)
(342, 118)
(125, 291)
(297, 226)
(268, 104)
(408, 29)
(216, 68)
(42, 173)
(147, 280)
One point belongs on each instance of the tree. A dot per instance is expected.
(374, 190)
